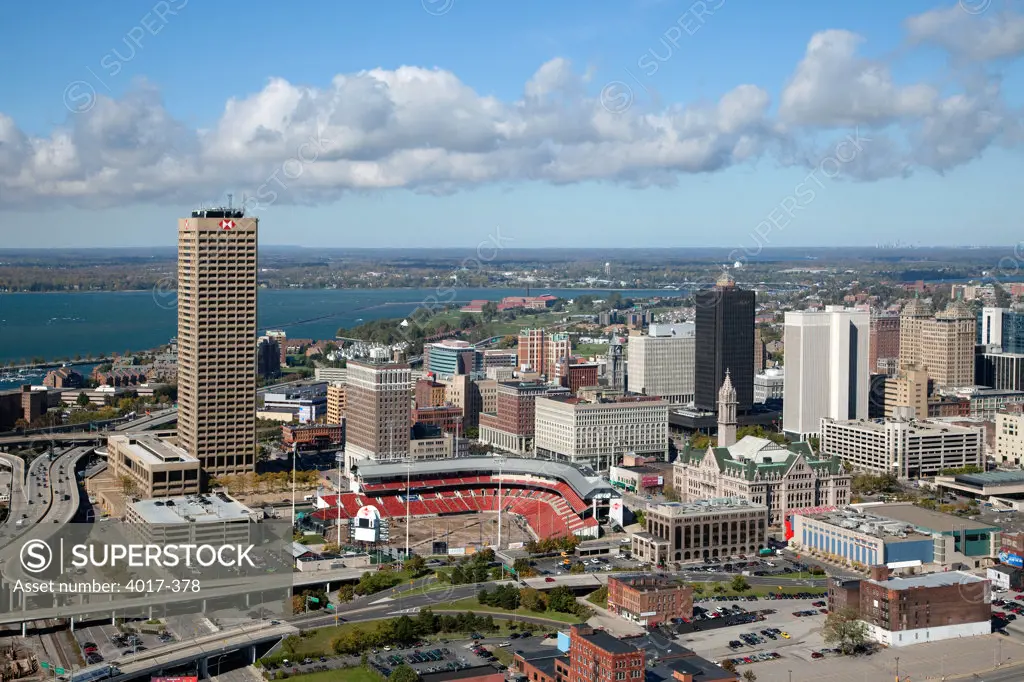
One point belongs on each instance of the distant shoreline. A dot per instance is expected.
(437, 288)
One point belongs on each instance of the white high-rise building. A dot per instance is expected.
(827, 373)
(661, 363)
(992, 326)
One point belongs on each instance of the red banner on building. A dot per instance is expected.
(789, 530)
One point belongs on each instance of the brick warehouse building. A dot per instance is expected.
(649, 600)
(925, 608)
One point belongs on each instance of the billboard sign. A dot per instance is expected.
(1011, 559)
(651, 481)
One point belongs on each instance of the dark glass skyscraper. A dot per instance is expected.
(725, 335)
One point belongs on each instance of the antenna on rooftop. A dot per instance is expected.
(230, 197)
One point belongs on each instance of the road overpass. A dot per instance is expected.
(200, 649)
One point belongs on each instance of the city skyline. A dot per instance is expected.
(432, 125)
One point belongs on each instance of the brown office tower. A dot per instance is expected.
(885, 344)
(217, 339)
(379, 405)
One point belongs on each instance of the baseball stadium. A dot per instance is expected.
(549, 499)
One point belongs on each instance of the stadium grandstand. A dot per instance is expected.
(555, 499)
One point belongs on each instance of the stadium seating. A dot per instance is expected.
(551, 508)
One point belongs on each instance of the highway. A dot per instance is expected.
(158, 418)
(18, 498)
(150, 421)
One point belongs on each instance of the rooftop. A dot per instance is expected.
(924, 519)
(152, 450)
(584, 481)
(944, 579)
(543, 661)
(211, 508)
(891, 531)
(920, 427)
(704, 506)
(603, 640)
(646, 582)
(991, 478)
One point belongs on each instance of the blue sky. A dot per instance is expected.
(572, 123)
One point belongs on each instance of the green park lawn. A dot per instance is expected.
(471, 604)
(759, 591)
(359, 674)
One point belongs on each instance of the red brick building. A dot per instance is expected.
(596, 656)
(319, 435)
(575, 375)
(429, 393)
(884, 340)
(446, 417)
(649, 599)
(65, 377)
(515, 405)
(924, 608)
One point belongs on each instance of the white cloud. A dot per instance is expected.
(425, 130)
(981, 37)
(833, 86)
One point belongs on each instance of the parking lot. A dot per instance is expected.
(107, 643)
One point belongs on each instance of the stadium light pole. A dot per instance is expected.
(295, 457)
(500, 462)
(408, 516)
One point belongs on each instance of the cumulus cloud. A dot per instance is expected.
(427, 131)
(833, 86)
(985, 36)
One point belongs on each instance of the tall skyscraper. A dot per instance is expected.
(217, 339)
(912, 320)
(540, 350)
(990, 326)
(377, 414)
(885, 344)
(725, 337)
(826, 368)
(947, 345)
(661, 363)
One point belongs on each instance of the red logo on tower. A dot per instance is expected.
(227, 224)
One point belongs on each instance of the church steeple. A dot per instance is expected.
(726, 413)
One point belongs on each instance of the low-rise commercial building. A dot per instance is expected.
(860, 538)
(958, 541)
(649, 600)
(927, 608)
(215, 518)
(156, 467)
(708, 529)
(1005, 577)
(637, 479)
(596, 656)
(313, 435)
(769, 385)
(308, 403)
(781, 477)
(904, 446)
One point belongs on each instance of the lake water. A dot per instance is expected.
(62, 325)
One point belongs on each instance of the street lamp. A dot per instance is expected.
(897, 669)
